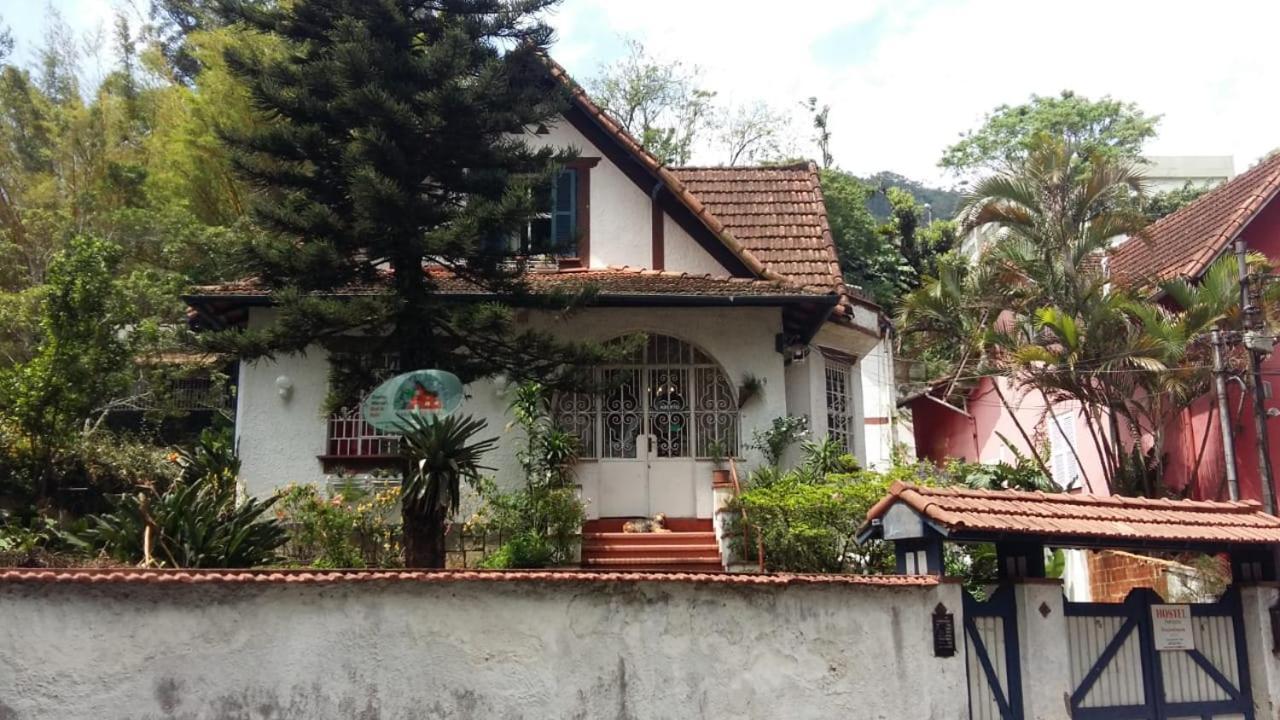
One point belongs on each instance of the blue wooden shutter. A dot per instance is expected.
(564, 214)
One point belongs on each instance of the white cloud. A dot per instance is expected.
(920, 73)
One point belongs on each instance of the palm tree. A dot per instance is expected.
(439, 455)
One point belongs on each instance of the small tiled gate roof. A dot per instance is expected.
(1076, 519)
(1186, 242)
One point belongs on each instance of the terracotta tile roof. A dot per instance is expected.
(174, 577)
(778, 214)
(578, 95)
(1184, 243)
(750, 210)
(612, 281)
(1065, 516)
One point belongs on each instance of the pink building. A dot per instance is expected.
(972, 424)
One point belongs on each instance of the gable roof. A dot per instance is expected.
(776, 213)
(1186, 242)
(1070, 518)
(772, 219)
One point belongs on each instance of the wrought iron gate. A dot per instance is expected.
(1117, 673)
(991, 656)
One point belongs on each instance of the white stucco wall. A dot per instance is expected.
(879, 406)
(622, 214)
(280, 440)
(681, 253)
(467, 650)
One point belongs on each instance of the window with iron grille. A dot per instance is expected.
(840, 401)
(670, 390)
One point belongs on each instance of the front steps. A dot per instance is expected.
(689, 547)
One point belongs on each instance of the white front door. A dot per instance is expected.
(660, 413)
(624, 482)
(648, 484)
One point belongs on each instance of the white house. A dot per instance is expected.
(731, 272)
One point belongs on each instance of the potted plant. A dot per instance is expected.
(750, 387)
(720, 473)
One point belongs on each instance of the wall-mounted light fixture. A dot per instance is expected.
(284, 386)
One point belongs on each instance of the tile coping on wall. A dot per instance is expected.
(133, 575)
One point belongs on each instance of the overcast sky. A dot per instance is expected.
(905, 77)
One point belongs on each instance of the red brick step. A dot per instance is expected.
(689, 547)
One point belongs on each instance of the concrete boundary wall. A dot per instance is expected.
(471, 645)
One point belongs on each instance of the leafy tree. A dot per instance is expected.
(173, 23)
(1110, 127)
(81, 362)
(942, 204)
(1159, 204)
(885, 259)
(660, 103)
(821, 128)
(391, 138)
(1037, 311)
(752, 134)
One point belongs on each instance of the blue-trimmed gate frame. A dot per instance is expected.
(1136, 609)
(1003, 605)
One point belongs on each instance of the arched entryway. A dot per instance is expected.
(667, 411)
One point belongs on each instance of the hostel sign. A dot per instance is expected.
(1171, 627)
(421, 393)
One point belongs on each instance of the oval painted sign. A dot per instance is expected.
(424, 393)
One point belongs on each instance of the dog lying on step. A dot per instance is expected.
(657, 525)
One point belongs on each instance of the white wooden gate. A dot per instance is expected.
(1118, 674)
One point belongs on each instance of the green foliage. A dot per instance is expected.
(554, 516)
(810, 525)
(351, 529)
(384, 141)
(541, 522)
(784, 432)
(890, 258)
(1107, 127)
(196, 524)
(1024, 475)
(808, 519)
(82, 362)
(826, 456)
(942, 204)
(1159, 204)
(213, 457)
(440, 454)
(659, 103)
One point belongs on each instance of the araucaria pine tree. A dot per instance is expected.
(392, 143)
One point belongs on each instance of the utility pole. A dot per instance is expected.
(1255, 345)
(1224, 414)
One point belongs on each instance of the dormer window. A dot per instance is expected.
(562, 232)
(555, 232)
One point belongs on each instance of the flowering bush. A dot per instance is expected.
(352, 528)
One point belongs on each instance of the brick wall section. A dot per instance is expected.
(1113, 574)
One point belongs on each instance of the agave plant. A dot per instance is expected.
(439, 455)
(196, 524)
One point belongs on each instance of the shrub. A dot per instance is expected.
(807, 519)
(782, 434)
(213, 456)
(555, 515)
(541, 523)
(810, 525)
(351, 529)
(195, 524)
